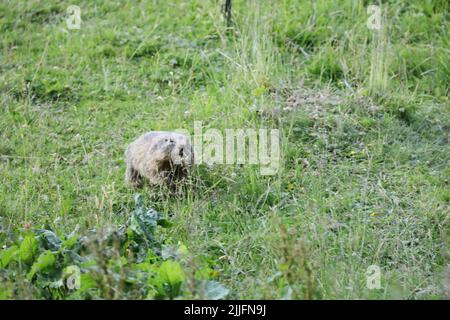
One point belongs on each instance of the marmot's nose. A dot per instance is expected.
(181, 153)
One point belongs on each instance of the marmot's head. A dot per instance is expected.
(175, 155)
(175, 148)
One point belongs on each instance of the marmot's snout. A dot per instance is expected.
(182, 154)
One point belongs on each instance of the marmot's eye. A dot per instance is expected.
(166, 139)
(171, 140)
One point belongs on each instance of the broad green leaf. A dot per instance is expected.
(144, 221)
(7, 255)
(50, 239)
(28, 249)
(72, 277)
(43, 264)
(87, 282)
(171, 272)
(169, 279)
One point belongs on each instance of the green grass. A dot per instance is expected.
(363, 181)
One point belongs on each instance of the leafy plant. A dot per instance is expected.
(79, 267)
(28, 249)
(44, 263)
(212, 290)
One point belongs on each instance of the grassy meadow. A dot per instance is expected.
(364, 121)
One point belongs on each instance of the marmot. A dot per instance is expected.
(160, 157)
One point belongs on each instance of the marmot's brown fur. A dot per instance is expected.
(159, 157)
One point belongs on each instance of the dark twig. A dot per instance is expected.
(227, 12)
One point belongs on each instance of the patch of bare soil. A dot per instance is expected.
(312, 101)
